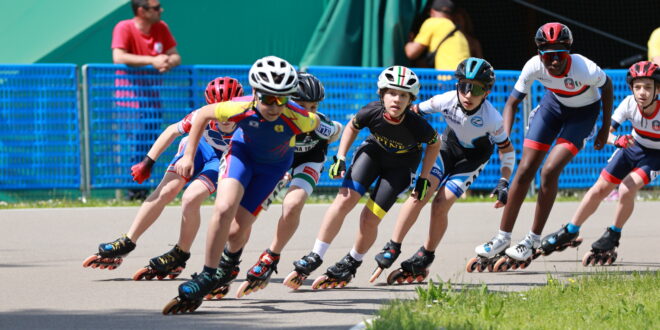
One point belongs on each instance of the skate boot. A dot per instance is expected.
(559, 241)
(259, 275)
(488, 254)
(303, 267)
(518, 256)
(413, 268)
(170, 264)
(110, 254)
(227, 272)
(338, 275)
(603, 251)
(191, 293)
(386, 258)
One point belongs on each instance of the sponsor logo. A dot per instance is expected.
(477, 121)
(569, 83)
(279, 128)
(253, 123)
(656, 125)
(158, 47)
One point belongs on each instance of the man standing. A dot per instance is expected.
(440, 35)
(143, 40)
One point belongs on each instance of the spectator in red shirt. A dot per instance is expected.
(145, 39)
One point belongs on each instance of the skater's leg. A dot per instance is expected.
(557, 160)
(191, 202)
(529, 163)
(153, 206)
(368, 231)
(291, 209)
(627, 193)
(333, 219)
(592, 200)
(230, 192)
(440, 207)
(410, 211)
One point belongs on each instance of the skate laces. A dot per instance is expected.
(116, 244)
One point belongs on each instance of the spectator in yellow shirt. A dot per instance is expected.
(434, 30)
(654, 46)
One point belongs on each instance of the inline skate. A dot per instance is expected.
(338, 275)
(259, 275)
(386, 258)
(303, 267)
(603, 251)
(227, 272)
(191, 294)
(110, 254)
(559, 241)
(170, 265)
(413, 268)
(518, 256)
(488, 254)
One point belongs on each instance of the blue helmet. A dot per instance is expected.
(476, 69)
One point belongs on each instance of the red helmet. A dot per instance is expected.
(553, 33)
(643, 69)
(222, 89)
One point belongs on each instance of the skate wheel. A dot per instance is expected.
(525, 263)
(342, 284)
(89, 261)
(537, 254)
(140, 273)
(420, 278)
(160, 277)
(171, 306)
(333, 285)
(471, 265)
(394, 277)
(118, 261)
(480, 267)
(172, 276)
(562, 248)
(319, 281)
(243, 289)
(515, 265)
(103, 266)
(587, 259)
(325, 285)
(400, 280)
(500, 265)
(490, 267)
(375, 275)
(409, 279)
(293, 280)
(614, 256)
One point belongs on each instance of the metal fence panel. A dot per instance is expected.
(39, 127)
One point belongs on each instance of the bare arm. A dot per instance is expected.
(347, 139)
(509, 113)
(414, 50)
(164, 140)
(174, 59)
(430, 155)
(185, 166)
(121, 56)
(607, 99)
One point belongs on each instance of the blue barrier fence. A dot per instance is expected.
(127, 108)
(39, 132)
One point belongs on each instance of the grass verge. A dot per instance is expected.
(600, 301)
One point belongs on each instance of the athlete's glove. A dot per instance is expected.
(623, 141)
(421, 188)
(501, 190)
(337, 168)
(142, 170)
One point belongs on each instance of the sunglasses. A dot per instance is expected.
(465, 87)
(554, 55)
(273, 99)
(156, 8)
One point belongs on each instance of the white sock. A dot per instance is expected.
(356, 255)
(504, 235)
(320, 248)
(534, 237)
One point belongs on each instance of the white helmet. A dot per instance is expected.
(399, 77)
(273, 75)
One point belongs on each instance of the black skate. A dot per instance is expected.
(338, 275)
(170, 265)
(303, 267)
(414, 268)
(227, 272)
(110, 254)
(559, 241)
(191, 294)
(386, 258)
(259, 275)
(603, 251)
(481, 263)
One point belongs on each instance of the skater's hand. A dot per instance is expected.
(338, 168)
(142, 170)
(421, 188)
(415, 108)
(287, 177)
(601, 139)
(501, 191)
(624, 141)
(185, 167)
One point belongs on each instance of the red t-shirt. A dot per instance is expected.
(126, 36)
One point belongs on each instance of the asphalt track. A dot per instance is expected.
(43, 285)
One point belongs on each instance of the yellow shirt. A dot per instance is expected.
(654, 44)
(454, 50)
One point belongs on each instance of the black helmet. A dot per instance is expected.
(310, 88)
(476, 69)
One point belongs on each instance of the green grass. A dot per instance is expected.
(600, 301)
